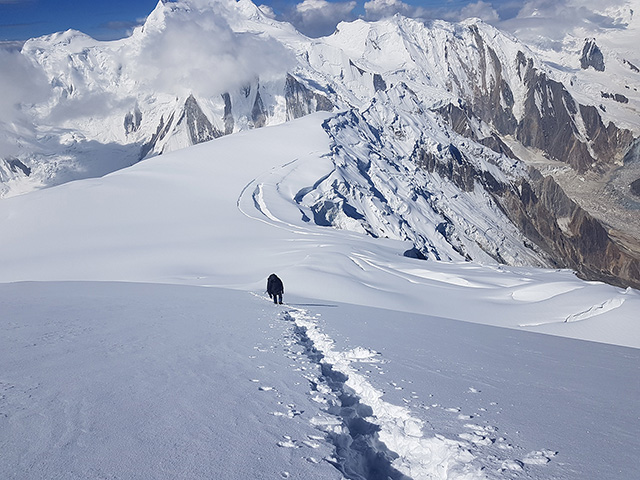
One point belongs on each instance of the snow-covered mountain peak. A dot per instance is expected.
(72, 40)
(156, 20)
(447, 104)
(239, 13)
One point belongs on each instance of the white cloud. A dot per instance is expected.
(598, 14)
(540, 21)
(549, 21)
(480, 9)
(203, 55)
(267, 11)
(313, 6)
(11, 45)
(21, 84)
(319, 17)
(90, 104)
(376, 9)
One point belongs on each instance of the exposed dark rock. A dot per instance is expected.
(228, 114)
(553, 196)
(414, 253)
(301, 101)
(568, 235)
(450, 165)
(552, 119)
(459, 118)
(378, 83)
(556, 124)
(326, 211)
(258, 112)
(633, 154)
(615, 96)
(591, 56)
(635, 187)
(161, 132)
(360, 70)
(199, 127)
(493, 101)
(607, 142)
(455, 153)
(631, 66)
(448, 232)
(16, 166)
(496, 144)
(132, 121)
(549, 124)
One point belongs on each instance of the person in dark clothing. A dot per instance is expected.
(275, 288)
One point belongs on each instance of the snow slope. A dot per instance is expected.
(145, 381)
(365, 374)
(142, 381)
(224, 214)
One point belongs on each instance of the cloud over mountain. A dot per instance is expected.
(21, 83)
(319, 17)
(547, 20)
(551, 21)
(202, 53)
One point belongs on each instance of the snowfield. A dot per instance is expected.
(224, 213)
(137, 342)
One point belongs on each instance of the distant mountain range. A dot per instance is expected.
(455, 136)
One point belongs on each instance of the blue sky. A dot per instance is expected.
(104, 19)
(110, 19)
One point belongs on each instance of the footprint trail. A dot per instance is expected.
(372, 438)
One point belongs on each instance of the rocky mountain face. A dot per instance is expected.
(592, 56)
(433, 134)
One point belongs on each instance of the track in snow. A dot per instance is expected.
(267, 198)
(373, 439)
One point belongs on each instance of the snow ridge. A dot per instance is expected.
(373, 438)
